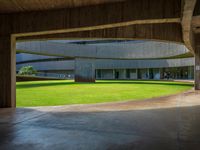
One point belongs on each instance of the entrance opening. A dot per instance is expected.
(116, 74)
(47, 78)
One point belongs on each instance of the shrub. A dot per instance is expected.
(27, 70)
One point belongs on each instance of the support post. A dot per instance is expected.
(84, 70)
(7, 72)
(197, 68)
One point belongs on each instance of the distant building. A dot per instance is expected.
(114, 60)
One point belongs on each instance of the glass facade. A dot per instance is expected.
(184, 73)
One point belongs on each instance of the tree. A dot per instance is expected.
(27, 70)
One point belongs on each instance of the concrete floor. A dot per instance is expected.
(168, 123)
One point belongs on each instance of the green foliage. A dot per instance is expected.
(27, 70)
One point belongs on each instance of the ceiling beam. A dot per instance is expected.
(107, 26)
(196, 24)
(188, 36)
(94, 17)
(195, 21)
(159, 32)
(196, 30)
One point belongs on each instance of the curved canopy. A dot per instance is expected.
(104, 50)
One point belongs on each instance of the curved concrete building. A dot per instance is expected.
(104, 49)
(90, 60)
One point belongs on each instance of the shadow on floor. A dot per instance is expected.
(150, 129)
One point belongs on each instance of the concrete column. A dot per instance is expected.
(84, 70)
(7, 72)
(197, 69)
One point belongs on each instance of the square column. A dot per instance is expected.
(197, 69)
(7, 72)
(84, 70)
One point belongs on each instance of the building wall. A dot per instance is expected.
(112, 64)
(126, 50)
(109, 68)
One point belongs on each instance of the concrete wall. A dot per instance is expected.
(131, 64)
(169, 20)
(84, 70)
(23, 57)
(126, 50)
(112, 64)
(51, 65)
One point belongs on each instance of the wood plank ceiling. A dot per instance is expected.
(11, 6)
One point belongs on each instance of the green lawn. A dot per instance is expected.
(48, 93)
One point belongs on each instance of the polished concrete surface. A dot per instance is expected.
(167, 123)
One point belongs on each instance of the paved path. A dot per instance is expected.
(167, 123)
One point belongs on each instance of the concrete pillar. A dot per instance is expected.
(7, 72)
(113, 74)
(197, 69)
(84, 70)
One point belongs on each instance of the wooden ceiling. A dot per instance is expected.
(11, 6)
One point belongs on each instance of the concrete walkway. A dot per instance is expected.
(167, 123)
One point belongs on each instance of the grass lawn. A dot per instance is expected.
(48, 93)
